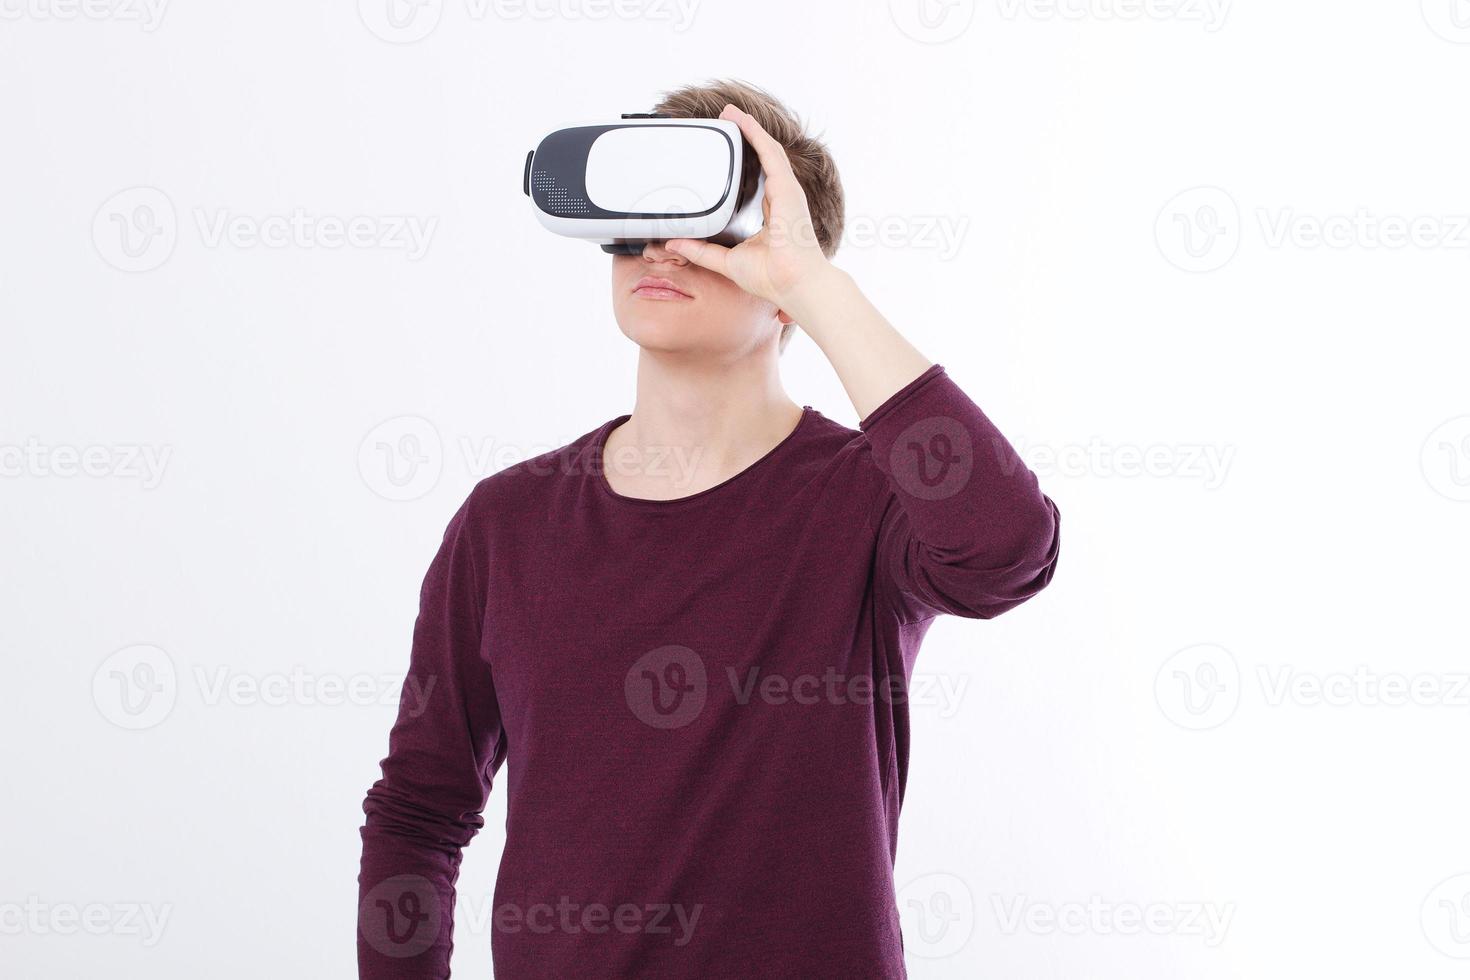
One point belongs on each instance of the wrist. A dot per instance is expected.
(818, 290)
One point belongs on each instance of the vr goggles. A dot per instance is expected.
(646, 178)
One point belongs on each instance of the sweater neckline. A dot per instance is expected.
(597, 452)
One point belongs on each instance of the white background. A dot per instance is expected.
(1163, 245)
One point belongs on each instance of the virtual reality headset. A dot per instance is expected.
(646, 178)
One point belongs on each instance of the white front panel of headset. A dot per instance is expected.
(658, 169)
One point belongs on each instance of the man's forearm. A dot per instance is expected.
(871, 358)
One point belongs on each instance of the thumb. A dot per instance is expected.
(706, 255)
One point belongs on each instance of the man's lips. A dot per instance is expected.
(656, 287)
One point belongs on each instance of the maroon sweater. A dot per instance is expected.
(701, 700)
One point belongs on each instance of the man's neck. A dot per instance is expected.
(697, 424)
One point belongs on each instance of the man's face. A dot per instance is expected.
(703, 313)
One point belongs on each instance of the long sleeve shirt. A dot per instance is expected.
(699, 703)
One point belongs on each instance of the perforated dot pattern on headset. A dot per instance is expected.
(559, 199)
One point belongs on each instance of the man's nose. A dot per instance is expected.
(655, 252)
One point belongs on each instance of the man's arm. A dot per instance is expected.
(871, 358)
(443, 751)
(965, 528)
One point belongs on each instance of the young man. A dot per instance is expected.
(689, 632)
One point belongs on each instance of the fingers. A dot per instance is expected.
(706, 255)
(772, 155)
(787, 217)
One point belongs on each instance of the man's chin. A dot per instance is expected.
(671, 349)
(667, 338)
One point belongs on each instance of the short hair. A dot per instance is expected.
(813, 165)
